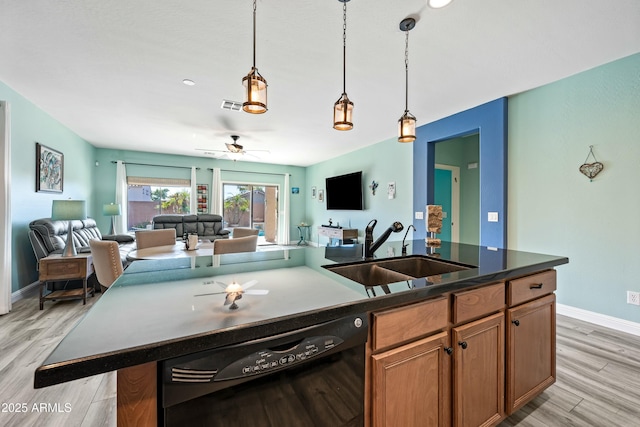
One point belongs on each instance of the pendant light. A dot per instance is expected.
(407, 123)
(343, 108)
(255, 86)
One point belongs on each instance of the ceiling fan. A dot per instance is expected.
(234, 292)
(234, 150)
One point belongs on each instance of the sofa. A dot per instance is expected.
(206, 226)
(48, 236)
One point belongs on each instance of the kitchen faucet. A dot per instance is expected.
(370, 246)
(404, 247)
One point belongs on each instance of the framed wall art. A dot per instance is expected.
(49, 169)
(203, 194)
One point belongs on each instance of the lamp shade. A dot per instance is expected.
(407, 128)
(255, 93)
(342, 113)
(112, 209)
(68, 210)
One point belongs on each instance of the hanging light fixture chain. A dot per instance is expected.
(254, 33)
(344, 47)
(406, 70)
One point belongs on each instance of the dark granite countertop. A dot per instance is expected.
(155, 311)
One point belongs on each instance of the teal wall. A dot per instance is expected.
(555, 209)
(460, 152)
(29, 124)
(259, 173)
(384, 162)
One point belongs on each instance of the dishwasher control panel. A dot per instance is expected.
(267, 360)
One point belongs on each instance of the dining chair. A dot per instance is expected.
(237, 244)
(243, 231)
(106, 261)
(150, 238)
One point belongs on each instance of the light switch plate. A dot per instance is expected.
(419, 215)
(493, 217)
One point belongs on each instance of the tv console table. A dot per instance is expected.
(340, 234)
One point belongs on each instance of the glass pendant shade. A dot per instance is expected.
(255, 92)
(342, 113)
(407, 128)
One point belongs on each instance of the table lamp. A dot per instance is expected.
(112, 210)
(68, 210)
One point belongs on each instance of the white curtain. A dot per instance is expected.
(5, 210)
(193, 205)
(284, 229)
(216, 193)
(121, 197)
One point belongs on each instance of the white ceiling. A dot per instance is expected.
(112, 71)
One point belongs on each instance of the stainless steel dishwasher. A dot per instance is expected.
(307, 377)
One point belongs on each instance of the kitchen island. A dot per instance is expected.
(160, 310)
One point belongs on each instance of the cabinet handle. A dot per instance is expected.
(462, 344)
(448, 350)
(536, 286)
(516, 322)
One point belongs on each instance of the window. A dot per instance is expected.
(148, 197)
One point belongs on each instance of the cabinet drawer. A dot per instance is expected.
(478, 302)
(402, 324)
(64, 268)
(531, 287)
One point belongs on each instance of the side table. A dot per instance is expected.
(304, 233)
(56, 267)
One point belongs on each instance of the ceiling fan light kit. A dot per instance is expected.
(255, 86)
(437, 4)
(343, 108)
(407, 123)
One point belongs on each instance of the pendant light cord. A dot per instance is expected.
(344, 48)
(254, 33)
(406, 70)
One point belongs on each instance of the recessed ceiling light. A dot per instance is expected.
(437, 4)
(189, 82)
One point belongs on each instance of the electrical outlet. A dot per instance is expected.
(633, 298)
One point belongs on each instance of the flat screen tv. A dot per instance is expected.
(344, 192)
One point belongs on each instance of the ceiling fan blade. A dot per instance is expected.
(210, 150)
(210, 293)
(257, 292)
(249, 284)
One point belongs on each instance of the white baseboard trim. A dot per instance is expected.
(599, 319)
(24, 292)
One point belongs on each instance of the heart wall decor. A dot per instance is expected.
(590, 170)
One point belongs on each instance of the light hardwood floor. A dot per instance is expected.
(598, 371)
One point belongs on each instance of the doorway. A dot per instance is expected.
(252, 206)
(457, 185)
(447, 194)
(489, 120)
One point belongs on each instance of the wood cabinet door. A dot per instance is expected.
(531, 350)
(478, 372)
(411, 384)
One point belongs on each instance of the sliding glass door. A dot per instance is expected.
(252, 206)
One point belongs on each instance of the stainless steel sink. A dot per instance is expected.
(420, 266)
(369, 274)
(385, 271)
